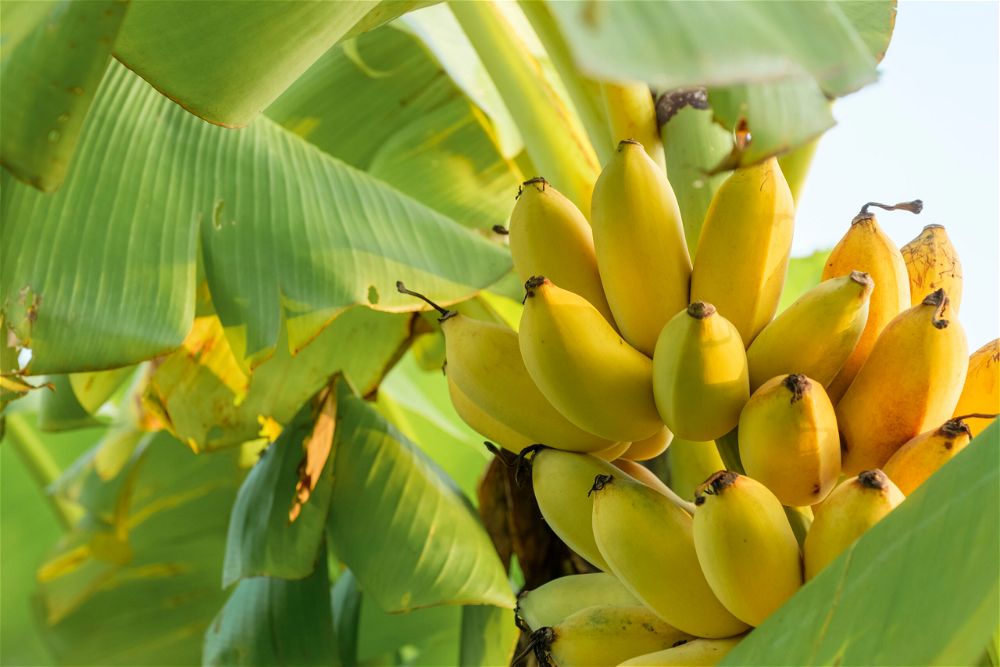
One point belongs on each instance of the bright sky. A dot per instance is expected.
(927, 130)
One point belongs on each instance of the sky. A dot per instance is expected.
(927, 130)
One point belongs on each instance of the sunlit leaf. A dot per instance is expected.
(919, 588)
(429, 547)
(269, 621)
(804, 273)
(92, 390)
(874, 20)
(489, 636)
(108, 262)
(54, 54)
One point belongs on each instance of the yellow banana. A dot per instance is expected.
(981, 393)
(602, 635)
(560, 598)
(920, 458)
(932, 263)
(910, 383)
(613, 452)
(700, 378)
(561, 481)
(641, 253)
(848, 512)
(865, 247)
(632, 115)
(647, 542)
(745, 546)
(816, 334)
(549, 236)
(584, 368)
(693, 653)
(690, 464)
(788, 440)
(643, 474)
(744, 247)
(484, 362)
(651, 447)
(484, 424)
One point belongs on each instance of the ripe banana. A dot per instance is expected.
(632, 115)
(932, 263)
(643, 474)
(549, 236)
(484, 362)
(603, 635)
(641, 253)
(865, 247)
(613, 452)
(690, 464)
(920, 458)
(647, 542)
(788, 440)
(696, 652)
(849, 511)
(700, 378)
(981, 393)
(561, 481)
(581, 364)
(745, 546)
(651, 447)
(484, 424)
(910, 383)
(744, 247)
(815, 335)
(560, 598)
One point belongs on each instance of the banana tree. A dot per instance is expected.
(230, 438)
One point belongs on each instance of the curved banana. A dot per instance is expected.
(584, 368)
(641, 252)
(921, 457)
(561, 481)
(488, 427)
(614, 452)
(602, 635)
(643, 474)
(788, 440)
(981, 392)
(744, 247)
(560, 598)
(693, 653)
(932, 263)
(549, 236)
(815, 335)
(651, 447)
(849, 511)
(910, 383)
(647, 542)
(700, 378)
(484, 362)
(690, 463)
(865, 247)
(631, 114)
(745, 546)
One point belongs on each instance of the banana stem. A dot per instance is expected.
(915, 207)
(445, 313)
(585, 93)
(729, 450)
(42, 467)
(556, 143)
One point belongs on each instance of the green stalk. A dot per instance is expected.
(42, 467)
(729, 449)
(556, 143)
(583, 91)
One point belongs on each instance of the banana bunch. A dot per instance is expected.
(629, 349)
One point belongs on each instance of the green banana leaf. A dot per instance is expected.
(93, 390)
(210, 402)
(262, 540)
(281, 622)
(59, 409)
(804, 273)
(52, 56)
(137, 581)
(489, 636)
(430, 547)
(919, 588)
(226, 61)
(102, 273)
(406, 123)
